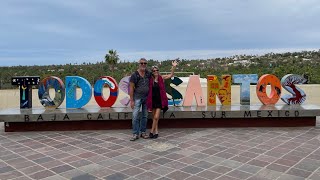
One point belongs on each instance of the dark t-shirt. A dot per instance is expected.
(141, 84)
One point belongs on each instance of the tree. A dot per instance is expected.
(111, 58)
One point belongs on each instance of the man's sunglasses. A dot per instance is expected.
(143, 63)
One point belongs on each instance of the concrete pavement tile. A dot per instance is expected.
(97, 158)
(116, 176)
(32, 169)
(214, 159)
(239, 174)
(220, 169)
(278, 167)
(118, 166)
(11, 175)
(203, 164)
(148, 165)
(241, 159)
(191, 169)
(225, 177)
(43, 160)
(162, 161)
(249, 168)
(72, 173)
(123, 158)
(107, 162)
(52, 164)
(299, 172)
(188, 160)
(55, 177)
(42, 174)
(147, 176)
(199, 156)
(84, 177)
(174, 156)
(308, 164)
(62, 168)
(209, 174)
(290, 177)
(269, 174)
(258, 163)
(231, 163)
(80, 163)
(6, 169)
(163, 170)
(132, 171)
(177, 175)
(100, 173)
(195, 178)
(176, 165)
(90, 168)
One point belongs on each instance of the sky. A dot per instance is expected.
(38, 32)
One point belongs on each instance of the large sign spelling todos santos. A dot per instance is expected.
(215, 88)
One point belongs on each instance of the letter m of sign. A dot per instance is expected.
(222, 90)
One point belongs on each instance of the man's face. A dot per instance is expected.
(142, 65)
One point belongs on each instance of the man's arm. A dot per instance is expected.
(131, 89)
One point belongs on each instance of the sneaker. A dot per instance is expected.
(134, 137)
(144, 135)
(151, 135)
(155, 136)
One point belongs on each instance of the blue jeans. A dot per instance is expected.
(139, 125)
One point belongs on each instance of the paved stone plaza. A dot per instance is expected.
(215, 153)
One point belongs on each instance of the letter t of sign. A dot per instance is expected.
(245, 80)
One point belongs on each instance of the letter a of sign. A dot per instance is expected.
(223, 91)
(194, 90)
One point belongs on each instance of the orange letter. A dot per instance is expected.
(261, 87)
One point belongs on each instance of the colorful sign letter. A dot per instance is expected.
(72, 83)
(223, 91)
(43, 92)
(25, 84)
(288, 83)
(261, 88)
(98, 91)
(176, 95)
(124, 86)
(245, 80)
(194, 90)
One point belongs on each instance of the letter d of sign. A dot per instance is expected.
(72, 82)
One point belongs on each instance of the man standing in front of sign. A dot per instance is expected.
(138, 91)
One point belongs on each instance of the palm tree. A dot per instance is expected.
(112, 58)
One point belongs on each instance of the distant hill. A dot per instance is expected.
(306, 63)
